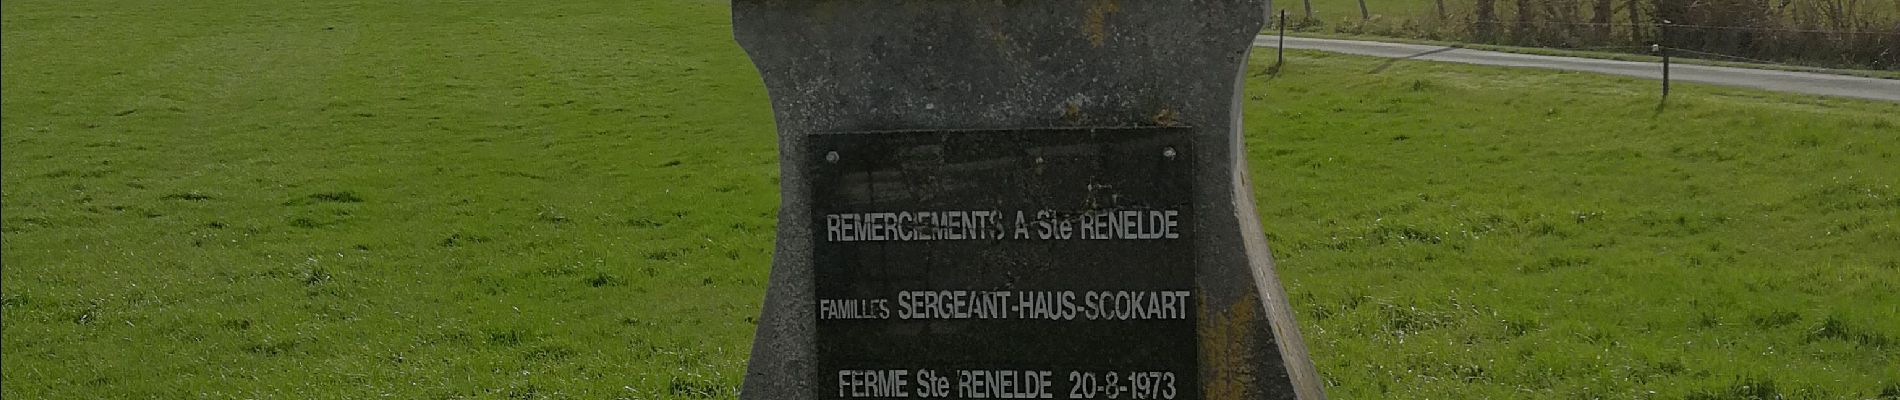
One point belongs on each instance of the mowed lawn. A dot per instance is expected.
(239, 199)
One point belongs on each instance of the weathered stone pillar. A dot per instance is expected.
(1015, 197)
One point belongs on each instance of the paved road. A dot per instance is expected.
(1780, 81)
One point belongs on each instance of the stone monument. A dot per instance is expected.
(1015, 199)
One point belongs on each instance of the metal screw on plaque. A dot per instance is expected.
(831, 156)
(1169, 153)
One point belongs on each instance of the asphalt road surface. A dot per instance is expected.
(1780, 81)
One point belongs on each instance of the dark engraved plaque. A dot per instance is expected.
(1041, 263)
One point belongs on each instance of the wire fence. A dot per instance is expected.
(1654, 26)
(1726, 57)
(1660, 49)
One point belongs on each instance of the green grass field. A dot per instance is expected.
(232, 199)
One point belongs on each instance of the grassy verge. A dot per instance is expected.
(226, 199)
(1605, 55)
(1418, 21)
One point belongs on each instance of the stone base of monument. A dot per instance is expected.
(1015, 199)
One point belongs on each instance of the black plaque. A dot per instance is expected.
(997, 263)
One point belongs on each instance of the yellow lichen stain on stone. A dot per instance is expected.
(1072, 112)
(1001, 39)
(1165, 117)
(825, 12)
(1097, 23)
(1224, 339)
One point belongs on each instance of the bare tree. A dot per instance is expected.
(1600, 20)
(1485, 20)
(1636, 21)
(1526, 13)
